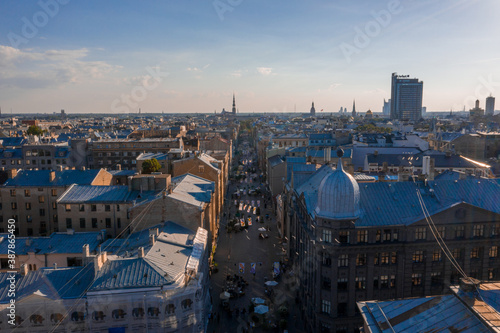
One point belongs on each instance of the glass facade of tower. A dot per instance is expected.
(406, 97)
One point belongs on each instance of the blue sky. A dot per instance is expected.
(189, 56)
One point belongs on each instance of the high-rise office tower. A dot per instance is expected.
(406, 97)
(386, 110)
(490, 106)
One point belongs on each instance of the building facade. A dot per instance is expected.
(351, 242)
(406, 97)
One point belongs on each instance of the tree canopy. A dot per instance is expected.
(34, 130)
(149, 166)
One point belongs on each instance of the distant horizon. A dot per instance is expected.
(119, 56)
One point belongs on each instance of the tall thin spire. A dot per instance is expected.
(234, 105)
(354, 108)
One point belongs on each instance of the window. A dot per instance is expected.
(387, 235)
(93, 208)
(362, 236)
(416, 279)
(201, 168)
(68, 207)
(326, 259)
(69, 223)
(107, 208)
(324, 328)
(361, 259)
(118, 222)
(325, 306)
(28, 206)
(344, 237)
(117, 208)
(360, 283)
(94, 223)
(475, 253)
(478, 230)
(495, 230)
(436, 255)
(421, 233)
(394, 258)
(436, 279)
(384, 258)
(493, 251)
(53, 192)
(42, 211)
(460, 231)
(74, 261)
(41, 199)
(441, 231)
(54, 205)
(342, 284)
(378, 236)
(13, 205)
(27, 193)
(82, 222)
(457, 253)
(29, 219)
(326, 283)
(81, 208)
(54, 218)
(418, 256)
(343, 260)
(327, 236)
(375, 282)
(492, 273)
(342, 311)
(376, 259)
(384, 281)
(108, 222)
(393, 281)
(12, 193)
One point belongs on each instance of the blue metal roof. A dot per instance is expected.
(41, 178)
(396, 203)
(128, 273)
(11, 153)
(104, 194)
(12, 141)
(429, 314)
(65, 283)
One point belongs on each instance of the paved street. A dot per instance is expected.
(246, 247)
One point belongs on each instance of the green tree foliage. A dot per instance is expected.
(34, 130)
(373, 129)
(151, 165)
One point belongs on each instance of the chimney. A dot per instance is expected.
(140, 252)
(70, 231)
(462, 175)
(154, 231)
(82, 168)
(432, 170)
(152, 240)
(12, 173)
(24, 270)
(55, 265)
(59, 168)
(469, 284)
(52, 176)
(99, 260)
(85, 253)
(448, 153)
(118, 167)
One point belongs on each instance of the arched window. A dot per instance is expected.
(170, 308)
(29, 267)
(34, 267)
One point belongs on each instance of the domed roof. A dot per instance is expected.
(338, 196)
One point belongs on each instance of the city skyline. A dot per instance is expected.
(174, 57)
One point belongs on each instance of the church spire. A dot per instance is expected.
(354, 108)
(233, 110)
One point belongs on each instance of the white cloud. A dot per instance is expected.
(265, 71)
(31, 69)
